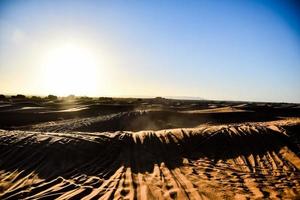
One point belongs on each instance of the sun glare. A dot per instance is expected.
(70, 69)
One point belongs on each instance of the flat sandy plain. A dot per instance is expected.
(148, 149)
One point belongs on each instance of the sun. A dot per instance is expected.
(70, 69)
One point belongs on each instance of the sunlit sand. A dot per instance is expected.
(129, 148)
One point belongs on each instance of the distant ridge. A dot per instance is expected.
(185, 98)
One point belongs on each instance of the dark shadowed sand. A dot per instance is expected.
(149, 149)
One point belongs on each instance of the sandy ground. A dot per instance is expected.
(205, 159)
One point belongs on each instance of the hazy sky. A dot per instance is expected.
(232, 50)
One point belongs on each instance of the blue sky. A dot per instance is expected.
(231, 50)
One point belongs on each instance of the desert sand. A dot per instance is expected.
(148, 149)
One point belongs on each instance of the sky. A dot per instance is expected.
(220, 50)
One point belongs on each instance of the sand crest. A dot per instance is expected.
(255, 160)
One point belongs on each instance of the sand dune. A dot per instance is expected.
(150, 119)
(256, 160)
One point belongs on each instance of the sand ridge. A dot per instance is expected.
(256, 160)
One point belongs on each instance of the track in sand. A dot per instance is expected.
(256, 160)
